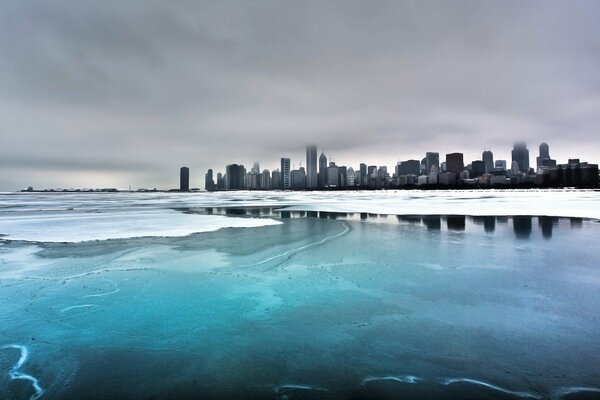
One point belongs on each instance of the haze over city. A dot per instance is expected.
(103, 94)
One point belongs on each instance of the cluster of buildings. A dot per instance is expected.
(430, 172)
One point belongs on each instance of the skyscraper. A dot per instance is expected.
(455, 163)
(286, 181)
(234, 175)
(363, 175)
(209, 183)
(184, 179)
(311, 167)
(520, 154)
(544, 155)
(432, 159)
(322, 170)
(488, 159)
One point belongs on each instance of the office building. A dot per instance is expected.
(312, 176)
(520, 154)
(432, 160)
(455, 163)
(478, 168)
(488, 160)
(298, 179)
(184, 179)
(363, 175)
(286, 179)
(333, 175)
(209, 182)
(322, 180)
(408, 167)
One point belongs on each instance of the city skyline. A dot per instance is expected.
(124, 95)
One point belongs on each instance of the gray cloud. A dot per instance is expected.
(126, 92)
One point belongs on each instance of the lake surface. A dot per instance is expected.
(293, 296)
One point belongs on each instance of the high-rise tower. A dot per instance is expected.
(488, 159)
(322, 170)
(311, 167)
(286, 180)
(184, 179)
(520, 154)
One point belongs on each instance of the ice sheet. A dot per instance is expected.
(72, 226)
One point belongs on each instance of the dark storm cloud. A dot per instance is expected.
(133, 90)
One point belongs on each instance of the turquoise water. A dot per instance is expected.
(322, 305)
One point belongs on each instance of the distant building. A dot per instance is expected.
(209, 183)
(286, 179)
(478, 168)
(322, 170)
(342, 176)
(408, 167)
(363, 175)
(573, 174)
(332, 175)
(298, 179)
(350, 177)
(455, 163)
(447, 178)
(184, 179)
(276, 179)
(433, 175)
(488, 160)
(255, 168)
(265, 180)
(311, 167)
(520, 154)
(500, 164)
(432, 160)
(220, 181)
(233, 177)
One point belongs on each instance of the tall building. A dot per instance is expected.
(298, 179)
(544, 159)
(209, 182)
(220, 181)
(275, 179)
(255, 168)
(455, 163)
(500, 164)
(408, 167)
(363, 175)
(322, 171)
(184, 179)
(333, 176)
(488, 159)
(478, 168)
(432, 159)
(520, 154)
(286, 180)
(265, 180)
(234, 177)
(350, 177)
(312, 176)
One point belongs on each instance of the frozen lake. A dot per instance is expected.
(343, 295)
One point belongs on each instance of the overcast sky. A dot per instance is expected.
(117, 93)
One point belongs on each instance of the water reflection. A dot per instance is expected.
(432, 222)
(456, 222)
(523, 226)
(546, 225)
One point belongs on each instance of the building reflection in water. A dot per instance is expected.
(432, 222)
(456, 222)
(546, 225)
(522, 226)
